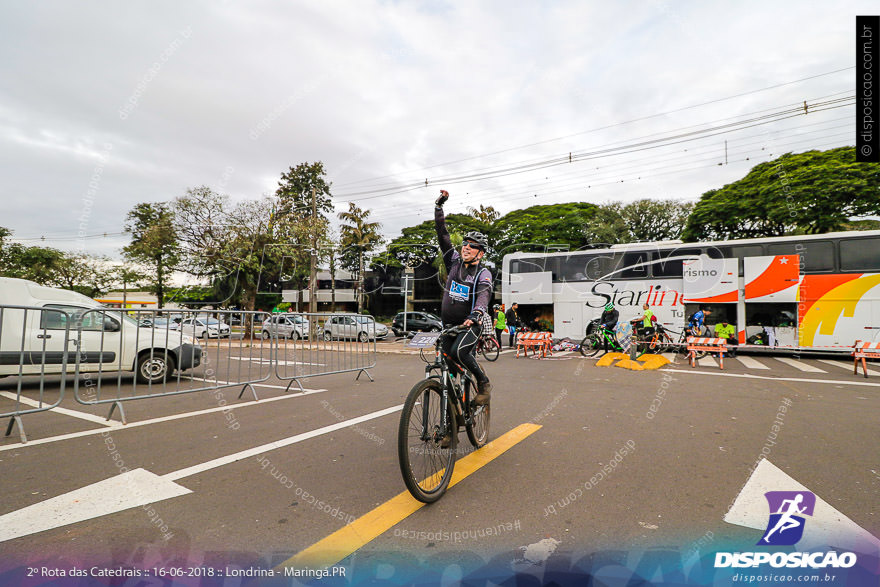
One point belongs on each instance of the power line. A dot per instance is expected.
(609, 151)
(643, 118)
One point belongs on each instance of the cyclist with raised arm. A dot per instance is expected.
(465, 297)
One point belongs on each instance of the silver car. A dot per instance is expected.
(292, 326)
(354, 327)
(204, 327)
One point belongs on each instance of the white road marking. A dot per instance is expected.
(119, 425)
(799, 365)
(121, 492)
(763, 378)
(212, 464)
(707, 361)
(262, 361)
(751, 363)
(827, 526)
(64, 411)
(848, 366)
(138, 487)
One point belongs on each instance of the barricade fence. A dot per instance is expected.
(313, 344)
(120, 355)
(170, 353)
(33, 343)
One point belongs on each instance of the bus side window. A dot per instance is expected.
(861, 254)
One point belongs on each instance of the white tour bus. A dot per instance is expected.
(809, 292)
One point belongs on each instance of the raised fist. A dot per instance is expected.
(444, 195)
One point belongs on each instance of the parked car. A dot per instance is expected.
(107, 339)
(353, 327)
(292, 326)
(156, 323)
(203, 327)
(416, 321)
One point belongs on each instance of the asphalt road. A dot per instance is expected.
(622, 460)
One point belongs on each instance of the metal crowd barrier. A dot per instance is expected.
(170, 352)
(309, 345)
(34, 342)
(120, 355)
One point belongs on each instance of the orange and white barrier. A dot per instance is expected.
(538, 341)
(712, 345)
(862, 351)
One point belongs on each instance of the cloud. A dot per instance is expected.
(402, 89)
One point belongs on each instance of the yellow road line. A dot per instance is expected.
(350, 538)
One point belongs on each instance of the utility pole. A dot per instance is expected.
(313, 269)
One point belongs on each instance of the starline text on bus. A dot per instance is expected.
(653, 296)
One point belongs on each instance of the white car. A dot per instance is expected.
(204, 328)
(62, 328)
(354, 327)
(292, 326)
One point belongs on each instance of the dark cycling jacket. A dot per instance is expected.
(609, 319)
(461, 297)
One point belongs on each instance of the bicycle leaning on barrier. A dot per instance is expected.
(434, 412)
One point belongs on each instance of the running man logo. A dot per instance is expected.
(787, 511)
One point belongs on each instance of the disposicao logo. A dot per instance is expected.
(785, 527)
(787, 510)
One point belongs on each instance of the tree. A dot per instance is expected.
(565, 225)
(358, 237)
(38, 264)
(655, 220)
(485, 214)
(153, 243)
(295, 191)
(90, 275)
(418, 245)
(812, 192)
(201, 221)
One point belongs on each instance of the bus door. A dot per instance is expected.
(570, 320)
(771, 292)
(713, 282)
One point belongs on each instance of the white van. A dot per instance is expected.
(64, 326)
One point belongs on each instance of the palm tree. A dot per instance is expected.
(361, 237)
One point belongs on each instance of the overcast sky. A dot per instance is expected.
(105, 104)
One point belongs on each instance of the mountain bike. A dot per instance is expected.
(433, 414)
(487, 346)
(657, 342)
(595, 340)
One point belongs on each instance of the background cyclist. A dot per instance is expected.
(697, 321)
(608, 321)
(500, 322)
(465, 297)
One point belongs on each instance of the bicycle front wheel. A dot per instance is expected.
(425, 463)
(590, 345)
(490, 349)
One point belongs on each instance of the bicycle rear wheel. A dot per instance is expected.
(490, 349)
(425, 464)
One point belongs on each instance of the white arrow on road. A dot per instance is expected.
(137, 488)
(827, 527)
